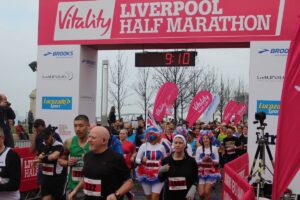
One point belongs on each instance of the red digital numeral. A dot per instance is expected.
(186, 58)
(169, 58)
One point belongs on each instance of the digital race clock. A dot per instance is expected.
(165, 59)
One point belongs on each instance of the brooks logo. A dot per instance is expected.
(59, 53)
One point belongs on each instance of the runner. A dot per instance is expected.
(230, 146)
(74, 150)
(129, 154)
(179, 171)
(37, 144)
(207, 158)
(105, 174)
(54, 175)
(181, 130)
(148, 158)
(10, 171)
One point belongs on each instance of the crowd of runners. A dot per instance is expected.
(171, 161)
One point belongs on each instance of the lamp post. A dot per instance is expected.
(104, 93)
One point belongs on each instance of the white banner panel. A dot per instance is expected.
(60, 74)
(88, 83)
(267, 66)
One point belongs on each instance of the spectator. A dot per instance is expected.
(30, 120)
(112, 116)
(6, 114)
(20, 131)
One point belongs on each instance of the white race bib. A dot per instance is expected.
(92, 187)
(48, 169)
(76, 173)
(177, 183)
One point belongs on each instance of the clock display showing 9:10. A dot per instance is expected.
(165, 59)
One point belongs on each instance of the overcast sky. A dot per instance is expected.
(18, 47)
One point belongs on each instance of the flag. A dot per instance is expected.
(229, 111)
(207, 115)
(287, 155)
(240, 111)
(198, 105)
(150, 121)
(166, 95)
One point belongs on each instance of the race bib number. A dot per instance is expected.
(92, 187)
(177, 183)
(76, 173)
(152, 164)
(48, 169)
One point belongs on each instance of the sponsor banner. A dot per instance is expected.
(57, 103)
(64, 76)
(166, 95)
(235, 185)
(207, 115)
(274, 51)
(66, 85)
(88, 82)
(84, 20)
(164, 21)
(269, 107)
(59, 54)
(269, 77)
(240, 112)
(198, 105)
(229, 111)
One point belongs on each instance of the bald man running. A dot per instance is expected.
(105, 174)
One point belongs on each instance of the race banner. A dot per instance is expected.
(240, 112)
(229, 111)
(235, 185)
(198, 105)
(207, 115)
(166, 95)
(163, 21)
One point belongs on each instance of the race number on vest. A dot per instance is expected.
(177, 183)
(76, 173)
(92, 187)
(48, 169)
